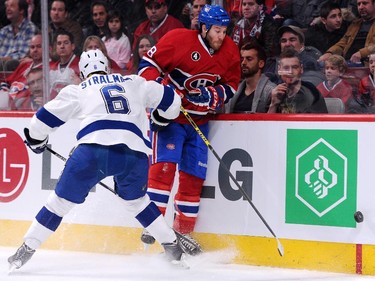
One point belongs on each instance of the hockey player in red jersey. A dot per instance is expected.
(204, 66)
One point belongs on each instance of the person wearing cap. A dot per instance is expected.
(292, 37)
(359, 40)
(255, 25)
(158, 22)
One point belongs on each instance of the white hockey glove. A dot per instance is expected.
(37, 146)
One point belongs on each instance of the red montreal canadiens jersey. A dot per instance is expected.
(342, 90)
(183, 57)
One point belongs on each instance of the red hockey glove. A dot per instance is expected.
(208, 97)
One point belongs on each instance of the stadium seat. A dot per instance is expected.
(335, 105)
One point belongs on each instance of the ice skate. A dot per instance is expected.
(175, 254)
(22, 256)
(188, 244)
(147, 238)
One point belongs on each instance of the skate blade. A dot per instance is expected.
(12, 267)
(146, 247)
(181, 263)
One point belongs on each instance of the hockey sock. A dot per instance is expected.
(160, 182)
(187, 201)
(47, 220)
(148, 214)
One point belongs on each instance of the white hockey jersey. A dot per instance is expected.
(112, 109)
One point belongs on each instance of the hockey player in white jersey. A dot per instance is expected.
(112, 141)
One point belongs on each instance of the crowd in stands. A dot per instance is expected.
(333, 41)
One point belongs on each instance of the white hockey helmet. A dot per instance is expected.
(92, 61)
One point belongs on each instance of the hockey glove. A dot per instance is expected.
(207, 97)
(158, 122)
(37, 146)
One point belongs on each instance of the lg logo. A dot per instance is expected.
(14, 168)
(226, 186)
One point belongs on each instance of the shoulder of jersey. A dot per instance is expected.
(181, 32)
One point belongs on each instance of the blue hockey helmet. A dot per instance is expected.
(213, 15)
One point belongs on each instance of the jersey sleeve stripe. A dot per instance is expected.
(112, 125)
(167, 99)
(48, 118)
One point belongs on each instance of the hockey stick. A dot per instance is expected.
(58, 155)
(222, 164)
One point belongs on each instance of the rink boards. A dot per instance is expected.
(306, 174)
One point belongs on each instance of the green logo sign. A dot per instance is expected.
(321, 177)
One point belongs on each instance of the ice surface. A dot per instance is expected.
(47, 265)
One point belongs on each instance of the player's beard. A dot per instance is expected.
(215, 44)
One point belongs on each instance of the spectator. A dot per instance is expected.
(256, 25)
(143, 44)
(116, 42)
(359, 39)
(99, 13)
(65, 71)
(296, 12)
(366, 89)
(129, 14)
(294, 95)
(348, 9)
(254, 92)
(60, 20)
(158, 22)
(204, 66)
(35, 83)
(329, 30)
(292, 37)
(16, 82)
(94, 42)
(334, 86)
(15, 37)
